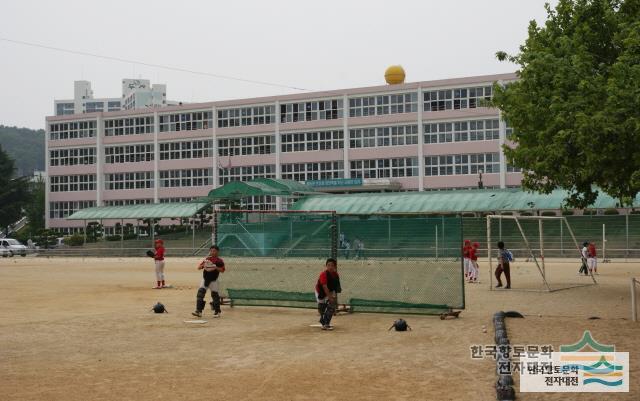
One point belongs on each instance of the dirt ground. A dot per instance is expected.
(81, 329)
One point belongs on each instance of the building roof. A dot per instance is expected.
(258, 187)
(453, 201)
(146, 211)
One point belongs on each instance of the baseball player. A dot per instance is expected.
(474, 270)
(211, 268)
(592, 262)
(465, 257)
(159, 262)
(327, 288)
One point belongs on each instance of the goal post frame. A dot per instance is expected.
(540, 266)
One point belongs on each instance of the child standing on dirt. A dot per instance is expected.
(465, 257)
(159, 262)
(474, 270)
(211, 268)
(592, 262)
(327, 289)
(504, 258)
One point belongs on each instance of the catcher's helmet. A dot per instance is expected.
(159, 308)
(400, 325)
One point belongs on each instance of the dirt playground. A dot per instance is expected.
(82, 329)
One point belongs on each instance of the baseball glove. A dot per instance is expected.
(151, 254)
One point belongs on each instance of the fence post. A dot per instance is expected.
(214, 227)
(334, 236)
(436, 241)
(626, 222)
(604, 244)
(561, 242)
(634, 316)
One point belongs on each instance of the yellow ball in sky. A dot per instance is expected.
(394, 75)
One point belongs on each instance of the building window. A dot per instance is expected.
(128, 153)
(383, 104)
(72, 183)
(383, 136)
(128, 126)
(462, 164)
(312, 141)
(313, 171)
(246, 173)
(63, 109)
(456, 99)
(72, 130)
(72, 157)
(257, 115)
(310, 111)
(61, 210)
(258, 203)
(125, 202)
(176, 200)
(186, 149)
(385, 168)
(94, 107)
(137, 180)
(113, 106)
(513, 169)
(462, 131)
(198, 177)
(186, 121)
(247, 145)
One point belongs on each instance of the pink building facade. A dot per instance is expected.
(421, 136)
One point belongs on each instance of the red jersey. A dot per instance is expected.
(592, 250)
(331, 280)
(465, 251)
(473, 253)
(159, 253)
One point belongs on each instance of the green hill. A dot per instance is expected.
(25, 146)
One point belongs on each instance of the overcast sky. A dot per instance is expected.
(319, 45)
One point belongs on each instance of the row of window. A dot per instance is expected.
(186, 150)
(175, 200)
(462, 164)
(311, 111)
(462, 131)
(249, 145)
(72, 183)
(385, 168)
(244, 116)
(313, 171)
(128, 126)
(383, 104)
(128, 153)
(383, 136)
(72, 156)
(456, 99)
(245, 173)
(72, 130)
(311, 141)
(190, 121)
(61, 210)
(198, 177)
(135, 180)
(126, 202)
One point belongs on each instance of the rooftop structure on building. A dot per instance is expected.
(136, 94)
(418, 136)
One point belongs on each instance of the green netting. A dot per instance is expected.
(407, 264)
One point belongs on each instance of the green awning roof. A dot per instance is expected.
(146, 211)
(453, 201)
(258, 187)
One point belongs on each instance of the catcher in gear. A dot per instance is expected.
(327, 288)
(211, 268)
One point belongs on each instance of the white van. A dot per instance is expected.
(14, 247)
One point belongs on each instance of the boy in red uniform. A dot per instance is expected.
(159, 262)
(593, 258)
(211, 268)
(473, 263)
(327, 288)
(465, 257)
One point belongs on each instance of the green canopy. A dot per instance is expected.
(258, 187)
(146, 211)
(453, 201)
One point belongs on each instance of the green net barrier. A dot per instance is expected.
(622, 234)
(408, 264)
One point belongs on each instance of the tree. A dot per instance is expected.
(14, 192)
(35, 209)
(575, 109)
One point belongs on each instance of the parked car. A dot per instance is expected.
(13, 246)
(4, 252)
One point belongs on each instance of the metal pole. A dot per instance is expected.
(389, 232)
(561, 243)
(489, 253)
(544, 271)
(84, 222)
(634, 315)
(193, 233)
(626, 222)
(121, 233)
(604, 244)
(436, 242)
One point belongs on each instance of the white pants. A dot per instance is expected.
(213, 286)
(159, 270)
(592, 263)
(473, 270)
(467, 266)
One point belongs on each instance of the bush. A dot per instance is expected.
(611, 212)
(634, 212)
(507, 213)
(74, 240)
(589, 212)
(548, 213)
(468, 215)
(567, 212)
(112, 238)
(526, 214)
(130, 236)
